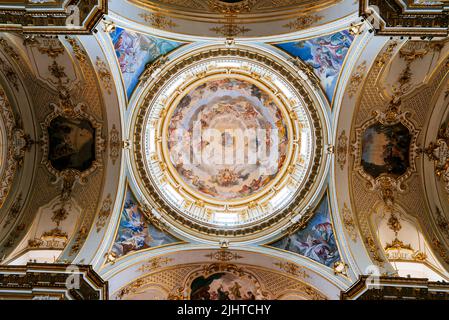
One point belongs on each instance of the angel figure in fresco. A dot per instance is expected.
(222, 294)
(235, 290)
(320, 245)
(250, 112)
(213, 295)
(325, 231)
(328, 53)
(125, 47)
(255, 185)
(133, 231)
(322, 61)
(133, 48)
(212, 191)
(226, 177)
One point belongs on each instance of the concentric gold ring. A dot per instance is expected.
(194, 192)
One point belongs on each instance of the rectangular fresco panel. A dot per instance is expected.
(72, 144)
(135, 232)
(317, 240)
(325, 55)
(386, 150)
(134, 51)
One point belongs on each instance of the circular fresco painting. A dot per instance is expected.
(227, 139)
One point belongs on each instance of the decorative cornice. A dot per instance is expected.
(70, 17)
(52, 281)
(396, 288)
(405, 18)
(224, 255)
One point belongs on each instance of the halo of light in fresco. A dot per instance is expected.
(227, 139)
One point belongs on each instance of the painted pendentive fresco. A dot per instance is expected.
(72, 144)
(233, 109)
(317, 240)
(386, 150)
(134, 51)
(135, 232)
(325, 55)
(225, 286)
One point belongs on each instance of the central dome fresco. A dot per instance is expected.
(227, 139)
(229, 143)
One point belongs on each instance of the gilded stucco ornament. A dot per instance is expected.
(14, 211)
(224, 255)
(104, 74)
(12, 148)
(79, 52)
(349, 223)
(152, 69)
(69, 135)
(293, 269)
(32, 17)
(438, 152)
(442, 222)
(158, 20)
(303, 22)
(65, 111)
(356, 79)
(231, 7)
(115, 144)
(105, 212)
(342, 150)
(154, 263)
(385, 177)
(394, 187)
(340, 268)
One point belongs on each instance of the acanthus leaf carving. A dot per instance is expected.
(349, 223)
(438, 152)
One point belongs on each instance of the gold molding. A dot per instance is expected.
(69, 17)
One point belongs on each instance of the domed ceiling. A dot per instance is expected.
(281, 145)
(230, 142)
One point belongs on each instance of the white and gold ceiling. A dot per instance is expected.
(93, 167)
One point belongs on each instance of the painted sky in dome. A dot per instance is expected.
(324, 54)
(317, 240)
(134, 51)
(135, 232)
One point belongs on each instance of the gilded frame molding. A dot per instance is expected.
(78, 112)
(387, 119)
